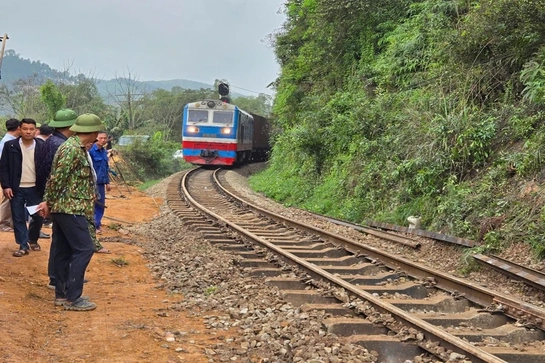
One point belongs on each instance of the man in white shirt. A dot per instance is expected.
(18, 179)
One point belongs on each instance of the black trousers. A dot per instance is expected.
(51, 262)
(23, 235)
(74, 249)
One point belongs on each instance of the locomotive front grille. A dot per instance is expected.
(209, 154)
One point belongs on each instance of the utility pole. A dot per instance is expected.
(3, 40)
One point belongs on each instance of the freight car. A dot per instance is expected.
(218, 133)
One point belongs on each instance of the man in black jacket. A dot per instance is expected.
(61, 123)
(18, 179)
(13, 132)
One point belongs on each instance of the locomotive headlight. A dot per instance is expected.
(192, 129)
(226, 130)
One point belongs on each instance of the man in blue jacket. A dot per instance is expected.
(99, 155)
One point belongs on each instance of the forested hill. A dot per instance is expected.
(14, 67)
(393, 108)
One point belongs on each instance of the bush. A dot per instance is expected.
(153, 159)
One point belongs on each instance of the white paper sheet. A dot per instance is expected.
(32, 209)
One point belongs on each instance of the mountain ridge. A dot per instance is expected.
(14, 67)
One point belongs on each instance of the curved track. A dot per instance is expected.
(387, 303)
(508, 268)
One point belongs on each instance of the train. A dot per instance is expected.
(215, 132)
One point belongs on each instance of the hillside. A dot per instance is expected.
(427, 108)
(14, 67)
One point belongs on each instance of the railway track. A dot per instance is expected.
(389, 304)
(527, 275)
(508, 268)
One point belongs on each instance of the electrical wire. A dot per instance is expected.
(249, 90)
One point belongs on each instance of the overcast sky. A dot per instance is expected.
(199, 40)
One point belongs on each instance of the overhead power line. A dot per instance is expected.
(249, 90)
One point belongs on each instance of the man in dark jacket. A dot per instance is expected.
(18, 179)
(13, 132)
(61, 124)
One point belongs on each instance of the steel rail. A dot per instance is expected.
(371, 231)
(431, 332)
(527, 275)
(475, 293)
(423, 233)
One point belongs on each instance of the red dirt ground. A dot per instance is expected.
(131, 322)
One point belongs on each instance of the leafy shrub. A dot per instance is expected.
(532, 77)
(153, 159)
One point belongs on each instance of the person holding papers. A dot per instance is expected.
(18, 179)
(69, 197)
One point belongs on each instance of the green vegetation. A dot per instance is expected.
(392, 108)
(210, 290)
(153, 159)
(120, 261)
(148, 184)
(115, 226)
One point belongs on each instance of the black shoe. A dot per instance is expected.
(44, 235)
(80, 305)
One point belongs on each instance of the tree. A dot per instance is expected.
(52, 98)
(129, 94)
(260, 105)
(82, 96)
(162, 110)
(22, 99)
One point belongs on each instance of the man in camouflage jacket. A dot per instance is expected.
(69, 197)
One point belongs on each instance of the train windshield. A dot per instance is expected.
(223, 117)
(197, 116)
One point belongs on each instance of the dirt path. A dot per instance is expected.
(131, 323)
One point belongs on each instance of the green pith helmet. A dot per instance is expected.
(63, 118)
(87, 122)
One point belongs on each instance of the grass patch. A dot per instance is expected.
(114, 226)
(120, 261)
(147, 184)
(469, 266)
(211, 290)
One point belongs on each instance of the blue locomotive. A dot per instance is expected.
(218, 133)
